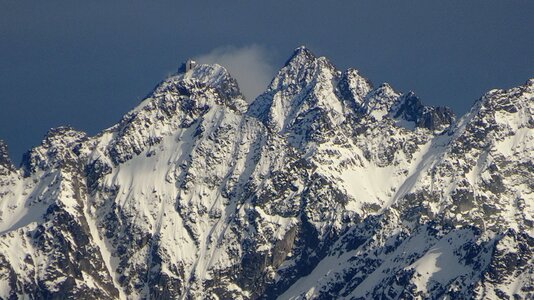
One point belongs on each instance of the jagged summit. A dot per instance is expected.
(203, 75)
(302, 85)
(300, 55)
(302, 67)
(410, 108)
(178, 102)
(60, 145)
(311, 88)
(354, 87)
(324, 187)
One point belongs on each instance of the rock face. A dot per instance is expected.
(323, 187)
(5, 163)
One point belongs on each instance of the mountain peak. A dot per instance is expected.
(62, 134)
(177, 102)
(300, 55)
(410, 108)
(60, 145)
(509, 100)
(212, 75)
(198, 79)
(379, 101)
(354, 87)
(305, 83)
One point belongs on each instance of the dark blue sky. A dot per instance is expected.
(86, 63)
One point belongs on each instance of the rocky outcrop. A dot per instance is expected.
(6, 166)
(324, 187)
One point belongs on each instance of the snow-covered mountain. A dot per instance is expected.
(323, 187)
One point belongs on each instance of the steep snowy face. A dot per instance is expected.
(171, 178)
(491, 155)
(460, 225)
(301, 99)
(498, 114)
(324, 187)
(51, 253)
(380, 101)
(177, 102)
(354, 87)
(74, 229)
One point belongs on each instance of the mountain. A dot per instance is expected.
(323, 187)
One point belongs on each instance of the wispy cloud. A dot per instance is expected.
(250, 65)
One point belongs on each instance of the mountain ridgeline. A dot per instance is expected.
(324, 187)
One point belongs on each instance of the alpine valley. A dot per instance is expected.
(324, 187)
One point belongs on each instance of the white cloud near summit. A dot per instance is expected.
(249, 65)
